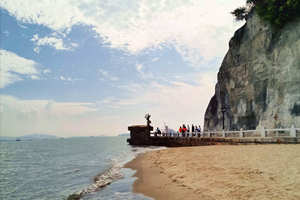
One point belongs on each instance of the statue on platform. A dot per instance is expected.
(147, 116)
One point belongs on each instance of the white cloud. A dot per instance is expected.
(49, 105)
(114, 78)
(69, 79)
(34, 77)
(198, 29)
(111, 115)
(139, 67)
(6, 33)
(142, 72)
(47, 71)
(154, 59)
(13, 66)
(113, 102)
(37, 49)
(132, 87)
(23, 26)
(74, 79)
(103, 72)
(74, 44)
(20, 117)
(54, 42)
(107, 75)
(162, 101)
(199, 78)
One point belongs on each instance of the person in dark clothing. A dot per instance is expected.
(193, 129)
(183, 130)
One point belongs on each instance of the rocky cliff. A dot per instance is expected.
(259, 79)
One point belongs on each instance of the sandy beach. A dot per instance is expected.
(219, 172)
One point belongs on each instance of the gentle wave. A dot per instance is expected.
(104, 179)
(113, 173)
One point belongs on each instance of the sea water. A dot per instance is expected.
(56, 169)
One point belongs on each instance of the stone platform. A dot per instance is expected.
(141, 135)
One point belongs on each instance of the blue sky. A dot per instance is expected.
(83, 67)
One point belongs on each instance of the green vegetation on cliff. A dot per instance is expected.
(276, 12)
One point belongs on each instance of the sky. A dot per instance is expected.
(88, 68)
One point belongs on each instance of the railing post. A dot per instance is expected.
(263, 132)
(293, 131)
(224, 134)
(209, 133)
(241, 133)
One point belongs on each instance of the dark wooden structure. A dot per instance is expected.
(140, 135)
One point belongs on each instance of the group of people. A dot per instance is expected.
(186, 129)
(183, 130)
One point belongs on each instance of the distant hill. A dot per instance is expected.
(124, 135)
(34, 136)
(7, 138)
(37, 136)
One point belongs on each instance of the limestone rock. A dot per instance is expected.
(259, 79)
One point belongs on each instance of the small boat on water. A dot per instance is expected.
(18, 140)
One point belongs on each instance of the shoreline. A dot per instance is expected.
(112, 173)
(219, 172)
(152, 181)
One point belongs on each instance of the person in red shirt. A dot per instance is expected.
(183, 130)
(180, 129)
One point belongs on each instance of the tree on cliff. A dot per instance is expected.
(276, 12)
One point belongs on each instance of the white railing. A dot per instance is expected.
(292, 132)
(177, 134)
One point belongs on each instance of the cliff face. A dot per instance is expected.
(259, 79)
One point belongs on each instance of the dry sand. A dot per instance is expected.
(219, 172)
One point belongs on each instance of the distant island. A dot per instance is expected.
(30, 137)
(124, 135)
(37, 136)
(100, 136)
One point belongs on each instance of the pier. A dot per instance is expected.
(142, 135)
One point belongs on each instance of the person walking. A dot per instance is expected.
(183, 130)
(180, 130)
(199, 130)
(193, 129)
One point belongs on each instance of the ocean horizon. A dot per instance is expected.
(56, 169)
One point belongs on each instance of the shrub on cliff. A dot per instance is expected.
(276, 12)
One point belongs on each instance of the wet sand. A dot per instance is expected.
(219, 172)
